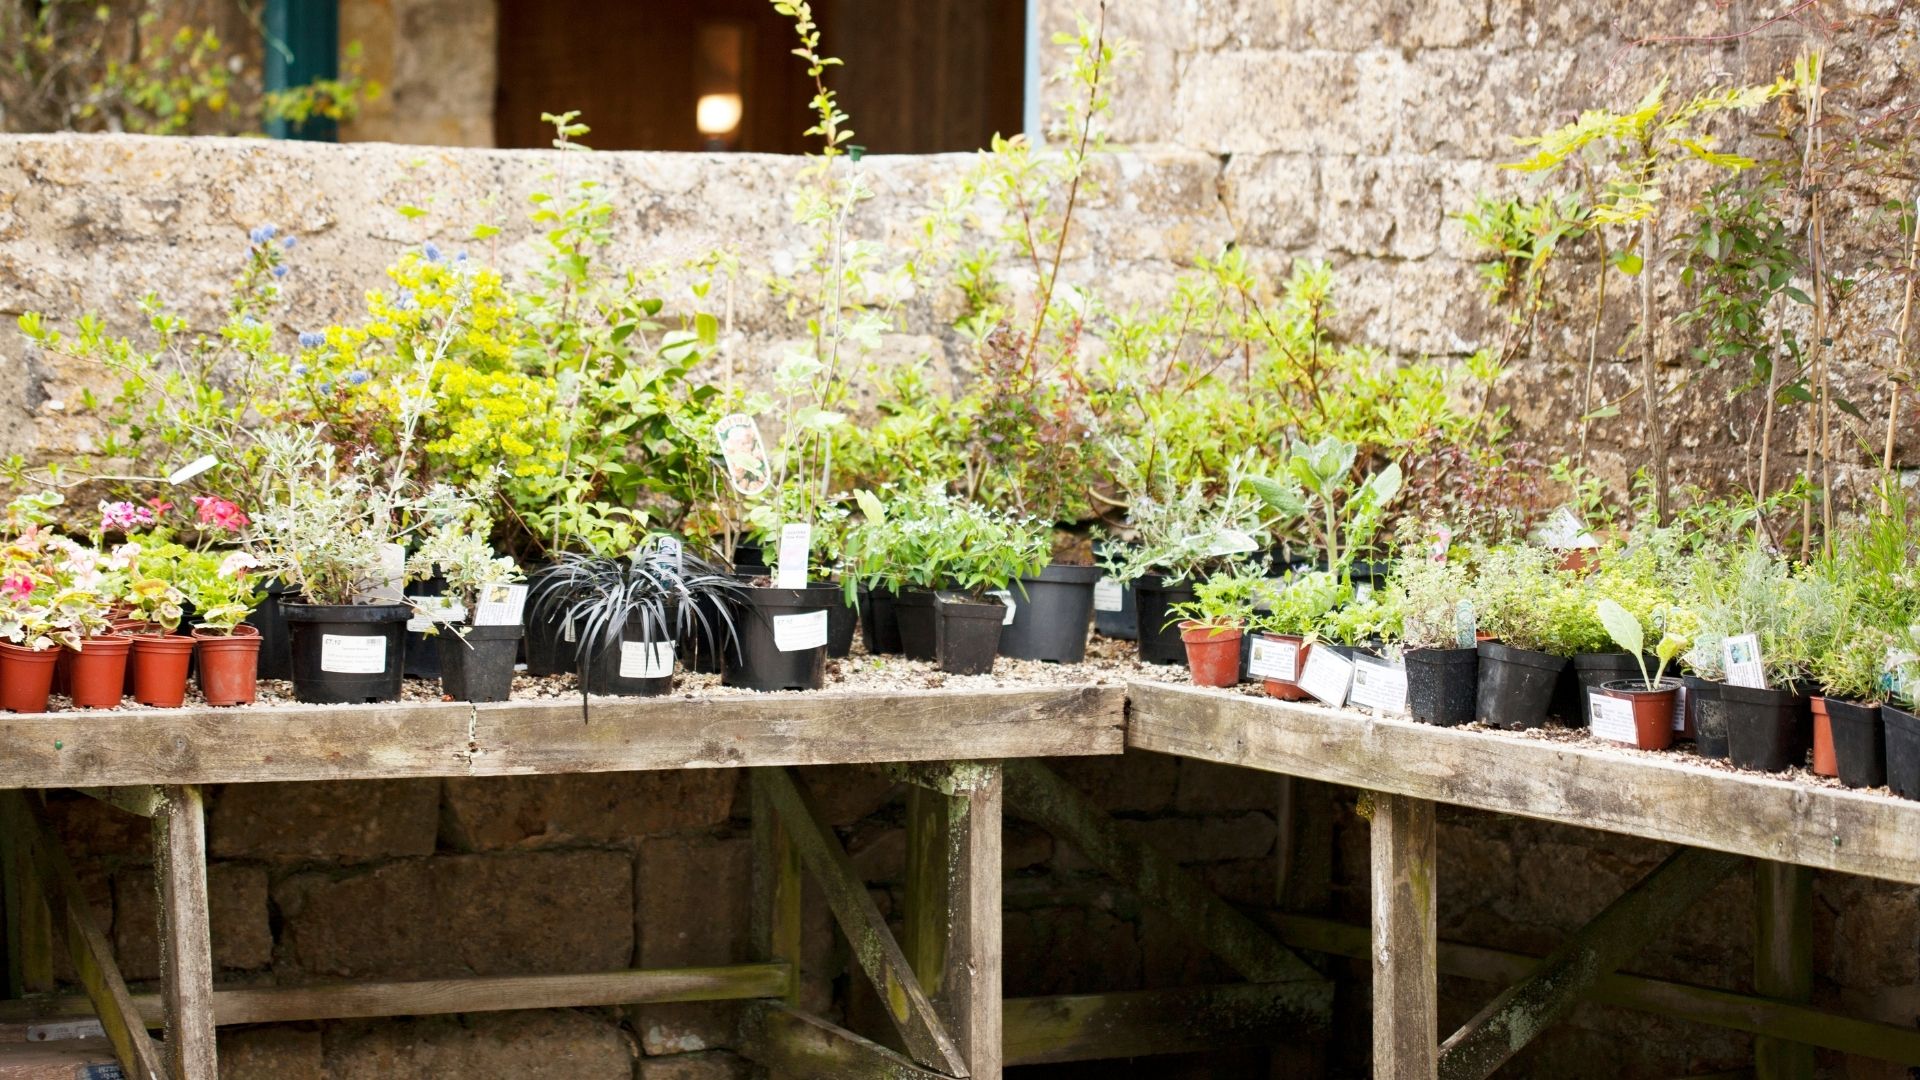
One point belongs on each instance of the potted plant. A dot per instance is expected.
(476, 654)
(1053, 611)
(1523, 607)
(632, 614)
(1787, 615)
(1288, 614)
(1653, 698)
(1434, 593)
(1901, 716)
(91, 668)
(34, 626)
(160, 659)
(1849, 734)
(1213, 623)
(226, 649)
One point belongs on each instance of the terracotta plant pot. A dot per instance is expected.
(97, 672)
(1652, 709)
(1824, 761)
(229, 665)
(26, 677)
(1288, 689)
(160, 663)
(1213, 653)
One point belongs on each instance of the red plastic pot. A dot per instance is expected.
(1288, 689)
(229, 665)
(1652, 709)
(97, 671)
(1213, 653)
(160, 663)
(26, 677)
(1824, 761)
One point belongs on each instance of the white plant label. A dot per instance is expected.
(1378, 685)
(644, 660)
(1363, 592)
(501, 604)
(345, 654)
(796, 633)
(1327, 676)
(1741, 654)
(62, 1030)
(1564, 531)
(1109, 595)
(672, 552)
(1273, 660)
(429, 610)
(393, 571)
(1680, 710)
(796, 541)
(1005, 596)
(567, 632)
(192, 469)
(1611, 718)
(744, 452)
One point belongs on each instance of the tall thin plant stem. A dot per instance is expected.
(1073, 188)
(1817, 429)
(1900, 365)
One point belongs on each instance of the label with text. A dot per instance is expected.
(796, 633)
(646, 660)
(796, 542)
(1327, 676)
(1268, 659)
(1378, 685)
(345, 654)
(1109, 595)
(1611, 718)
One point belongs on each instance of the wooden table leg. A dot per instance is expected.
(1406, 1022)
(952, 936)
(776, 893)
(1782, 960)
(186, 947)
(29, 922)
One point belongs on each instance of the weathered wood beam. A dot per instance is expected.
(793, 1045)
(427, 997)
(88, 948)
(186, 946)
(1138, 1023)
(946, 777)
(29, 922)
(1520, 1012)
(1782, 960)
(1661, 797)
(1038, 794)
(141, 800)
(952, 930)
(1406, 938)
(926, 1038)
(776, 910)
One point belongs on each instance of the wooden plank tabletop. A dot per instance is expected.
(1658, 796)
(306, 742)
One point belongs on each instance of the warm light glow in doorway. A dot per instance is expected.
(717, 114)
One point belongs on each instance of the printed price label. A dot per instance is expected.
(643, 660)
(1327, 676)
(1378, 685)
(1005, 596)
(796, 540)
(1741, 654)
(353, 655)
(1267, 659)
(1109, 595)
(501, 604)
(795, 633)
(1611, 718)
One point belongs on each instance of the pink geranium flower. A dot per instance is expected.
(217, 513)
(18, 586)
(124, 515)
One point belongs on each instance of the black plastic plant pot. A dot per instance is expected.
(841, 623)
(703, 644)
(1516, 686)
(919, 628)
(1121, 623)
(781, 641)
(1160, 640)
(478, 664)
(1903, 751)
(550, 648)
(1709, 711)
(276, 656)
(1585, 674)
(631, 663)
(1051, 615)
(968, 633)
(879, 626)
(1859, 743)
(1767, 730)
(1443, 685)
(749, 560)
(423, 656)
(345, 654)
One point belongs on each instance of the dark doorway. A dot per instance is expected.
(920, 76)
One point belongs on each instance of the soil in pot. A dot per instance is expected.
(1586, 673)
(1903, 751)
(1709, 711)
(160, 663)
(781, 639)
(841, 623)
(97, 672)
(1269, 662)
(879, 626)
(1766, 729)
(1823, 762)
(276, 645)
(967, 633)
(1213, 654)
(26, 677)
(1652, 709)
(919, 628)
(1154, 599)
(477, 664)
(1443, 685)
(1859, 743)
(1051, 615)
(347, 653)
(228, 664)
(1516, 686)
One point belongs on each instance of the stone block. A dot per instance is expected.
(694, 897)
(280, 1052)
(90, 829)
(1273, 199)
(490, 813)
(236, 916)
(552, 1044)
(1209, 788)
(499, 914)
(1067, 950)
(686, 1027)
(1134, 782)
(1215, 838)
(336, 821)
(715, 1065)
(1381, 206)
(1471, 103)
(1266, 101)
(847, 793)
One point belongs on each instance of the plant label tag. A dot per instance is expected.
(431, 610)
(1466, 626)
(1005, 596)
(345, 654)
(744, 453)
(1267, 659)
(1327, 676)
(62, 1030)
(393, 571)
(1611, 718)
(1564, 531)
(1680, 710)
(567, 632)
(501, 604)
(646, 660)
(671, 552)
(1363, 592)
(1378, 685)
(796, 542)
(1109, 595)
(1741, 654)
(797, 633)
(192, 469)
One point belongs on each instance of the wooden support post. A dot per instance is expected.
(952, 934)
(29, 927)
(1510, 1020)
(1782, 960)
(1406, 937)
(777, 886)
(186, 946)
(87, 946)
(853, 908)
